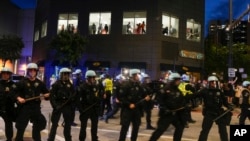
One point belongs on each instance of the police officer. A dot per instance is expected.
(28, 96)
(62, 99)
(132, 95)
(188, 91)
(7, 108)
(148, 105)
(214, 100)
(88, 103)
(172, 106)
(108, 93)
(244, 102)
(120, 79)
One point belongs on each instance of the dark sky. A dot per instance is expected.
(214, 9)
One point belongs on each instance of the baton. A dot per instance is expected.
(86, 109)
(220, 116)
(33, 98)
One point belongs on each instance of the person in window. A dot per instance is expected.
(93, 28)
(100, 29)
(106, 29)
(138, 30)
(143, 31)
(129, 28)
(165, 31)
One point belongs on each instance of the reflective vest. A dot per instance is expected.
(108, 85)
(182, 87)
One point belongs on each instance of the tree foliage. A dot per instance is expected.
(10, 48)
(69, 47)
(217, 58)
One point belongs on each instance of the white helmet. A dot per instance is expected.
(212, 78)
(245, 83)
(77, 71)
(90, 73)
(185, 77)
(5, 69)
(174, 76)
(64, 70)
(133, 71)
(120, 77)
(32, 66)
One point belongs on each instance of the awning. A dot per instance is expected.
(95, 65)
(139, 65)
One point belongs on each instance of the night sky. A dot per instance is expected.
(214, 9)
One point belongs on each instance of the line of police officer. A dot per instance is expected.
(131, 95)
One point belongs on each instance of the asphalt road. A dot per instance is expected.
(110, 131)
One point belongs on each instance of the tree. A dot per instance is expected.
(10, 48)
(69, 47)
(216, 58)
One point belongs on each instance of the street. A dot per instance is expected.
(110, 131)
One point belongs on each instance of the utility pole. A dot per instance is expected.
(229, 31)
(229, 40)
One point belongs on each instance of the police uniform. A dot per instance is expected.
(148, 105)
(245, 103)
(88, 103)
(62, 100)
(172, 106)
(214, 100)
(30, 110)
(131, 92)
(7, 108)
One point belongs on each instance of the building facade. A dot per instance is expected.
(153, 36)
(20, 22)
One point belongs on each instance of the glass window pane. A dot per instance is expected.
(134, 23)
(44, 29)
(67, 21)
(193, 30)
(36, 36)
(100, 23)
(170, 25)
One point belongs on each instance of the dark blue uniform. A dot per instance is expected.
(172, 106)
(213, 99)
(30, 110)
(88, 103)
(7, 108)
(62, 100)
(131, 93)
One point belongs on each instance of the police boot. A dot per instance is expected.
(150, 127)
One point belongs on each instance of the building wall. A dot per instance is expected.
(117, 47)
(16, 21)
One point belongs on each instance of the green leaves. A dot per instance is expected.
(10, 47)
(69, 47)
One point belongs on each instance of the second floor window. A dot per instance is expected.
(67, 22)
(100, 23)
(134, 23)
(193, 30)
(36, 36)
(44, 29)
(170, 25)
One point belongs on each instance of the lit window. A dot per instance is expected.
(170, 25)
(100, 23)
(193, 31)
(36, 36)
(134, 23)
(67, 22)
(44, 29)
